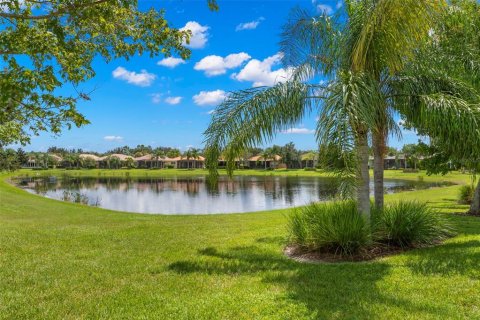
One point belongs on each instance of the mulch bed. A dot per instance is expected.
(298, 254)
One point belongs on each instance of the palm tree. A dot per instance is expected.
(364, 56)
(188, 156)
(195, 154)
(157, 155)
(265, 155)
(69, 160)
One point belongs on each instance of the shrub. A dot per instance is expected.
(330, 227)
(465, 194)
(309, 169)
(408, 224)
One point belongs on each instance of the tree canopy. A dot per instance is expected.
(47, 44)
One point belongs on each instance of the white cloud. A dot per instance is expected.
(171, 62)
(156, 97)
(324, 8)
(142, 79)
(113, 138)
(339, 5)
(173, 100)
(298, 131)
(199, 36)
(209, 98)
(261, 73)
(249, 25)
(215, 65)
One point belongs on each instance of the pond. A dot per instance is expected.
(193, 195)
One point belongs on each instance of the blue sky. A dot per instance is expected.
(168, 102)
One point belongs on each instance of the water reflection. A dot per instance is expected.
(182, 195)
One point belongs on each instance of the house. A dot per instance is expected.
(239, 163)
(85, 156)
(309, 160)
(147, 161)
(391, 162)
(395, 162)
(106, 161)
(32, 163)
(91, 157)
(184, 163)
(258, 162)
(41, 161)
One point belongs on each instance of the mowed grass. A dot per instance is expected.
(67, 261)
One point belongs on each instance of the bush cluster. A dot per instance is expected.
(338, 228)
(334, 227)
(465, 194)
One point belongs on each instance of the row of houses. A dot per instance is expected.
(150, 161)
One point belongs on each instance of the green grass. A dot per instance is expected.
(67, 261)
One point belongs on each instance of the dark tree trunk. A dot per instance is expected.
(378, 168)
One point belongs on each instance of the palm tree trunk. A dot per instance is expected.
(378, 168)
(363, 177)
(475, 206)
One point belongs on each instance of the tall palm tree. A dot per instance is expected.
(188, 156)
(265, 155)
(195, 154)
(362, 54)
(157, 155)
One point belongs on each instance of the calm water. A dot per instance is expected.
(180, 195)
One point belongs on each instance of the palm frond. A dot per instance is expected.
(444, 115)
(254, 116)
(311, 44)
(390, 31)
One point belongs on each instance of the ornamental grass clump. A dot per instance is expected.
(410, 224)
(465, 194)
(330, 227)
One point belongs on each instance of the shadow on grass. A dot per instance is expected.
(458, 258)
(344, 290)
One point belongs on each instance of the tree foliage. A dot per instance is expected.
(47, 44)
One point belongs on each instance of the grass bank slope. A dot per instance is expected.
(67, 261)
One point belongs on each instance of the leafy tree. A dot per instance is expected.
(129, 163)
(122, 150)
(173, 153)
(89, 163)
(22, 156)
(47, 44)
(142, 150)
(113, 162)
(455, 51)
(8, 160)
(69, 160)
(413, 152)
(290, 155)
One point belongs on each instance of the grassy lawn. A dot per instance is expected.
(67, 261)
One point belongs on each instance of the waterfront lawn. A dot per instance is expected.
(68, 261)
